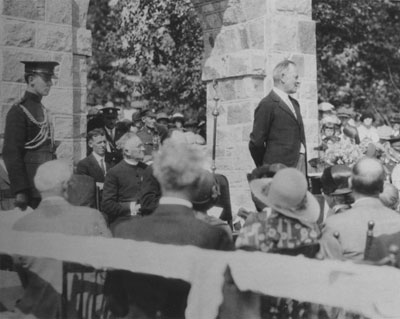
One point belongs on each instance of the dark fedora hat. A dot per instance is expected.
(335, 180)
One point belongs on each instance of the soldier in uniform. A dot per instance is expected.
(110, 118)
(148, 133)
(28, 140)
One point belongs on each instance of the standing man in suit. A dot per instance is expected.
(95, 165)
(28, 139)
(173, 222)
(278, 130)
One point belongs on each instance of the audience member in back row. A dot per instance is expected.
(335, 187)
(294, 213)
(95, 164)
(366, 182)
(173, 222)
(124, 181)
(42, 277)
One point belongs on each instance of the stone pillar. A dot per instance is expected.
(48, 30)
(244, 40)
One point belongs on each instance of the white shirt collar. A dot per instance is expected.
(98, 157)
(284, 96)
(165, 200)
(131, 162)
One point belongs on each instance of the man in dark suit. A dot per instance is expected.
(28, 140)
(124, 181)
(173, 222)
(278, 130)
(95, 165)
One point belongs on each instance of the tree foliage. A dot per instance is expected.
(159, 41)
(358, 53)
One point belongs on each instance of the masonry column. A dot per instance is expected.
(48, 30)
(244, 40)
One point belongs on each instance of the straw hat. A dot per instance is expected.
(288, 195)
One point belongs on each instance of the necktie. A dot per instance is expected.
(102, 166)
(290, 104)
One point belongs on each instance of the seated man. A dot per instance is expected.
(173, 222)
(367, 180)
(42, 277)
(95, 164)
(124, 181)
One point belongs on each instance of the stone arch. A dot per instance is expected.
(244, 39)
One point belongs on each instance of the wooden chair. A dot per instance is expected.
(82, 292)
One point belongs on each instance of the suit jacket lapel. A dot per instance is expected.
(284, 106)
(95, 165)
(296, 107)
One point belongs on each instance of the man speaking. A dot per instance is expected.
(278, 130)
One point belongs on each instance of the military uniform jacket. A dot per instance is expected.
(22, 160)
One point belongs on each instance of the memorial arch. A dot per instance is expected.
(243, 40)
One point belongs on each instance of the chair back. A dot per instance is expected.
(369, 240)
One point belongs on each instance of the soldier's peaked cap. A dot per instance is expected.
(110, 111)
(41, 67)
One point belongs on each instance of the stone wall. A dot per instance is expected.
(243, 41)
(48, 30)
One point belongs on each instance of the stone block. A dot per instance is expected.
(254, 8)
(256, 31)
(306, 37)
(13, 69)
(229, 41)
(60, 101)
(226, 136)
(311, 130)
(308, 90)
(10, 92)
(18, 34)
(80, 69)
(238, 64)
(65, 74)
(54, 38)
(284, 33)
(79, 100)
(59, 11)
(239, 113)
(79, 13)
(299, 60)
(213, 21)
(258, 63)
(69, 126)
(28, 9)
(310, 71)
(246, 130)
(233, 13)
(302, 7)
(227, 90)
(4, 108)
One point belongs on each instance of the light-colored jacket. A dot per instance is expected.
(352, 227)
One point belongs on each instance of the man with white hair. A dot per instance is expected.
(124, 181)
(178, 167)
(42, 277)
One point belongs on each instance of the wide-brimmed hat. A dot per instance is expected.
(325, 107)
(288, 195)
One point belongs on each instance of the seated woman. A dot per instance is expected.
(293, 217)
(335, 187)
(291, 225)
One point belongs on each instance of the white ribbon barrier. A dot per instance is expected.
(372, 291)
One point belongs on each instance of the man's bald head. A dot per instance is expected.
(368, 177)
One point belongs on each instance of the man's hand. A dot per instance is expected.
(21, 201)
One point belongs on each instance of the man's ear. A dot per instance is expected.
(90, 143)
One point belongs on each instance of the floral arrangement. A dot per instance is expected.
(343, 152)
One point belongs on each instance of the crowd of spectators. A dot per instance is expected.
(165, 200)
